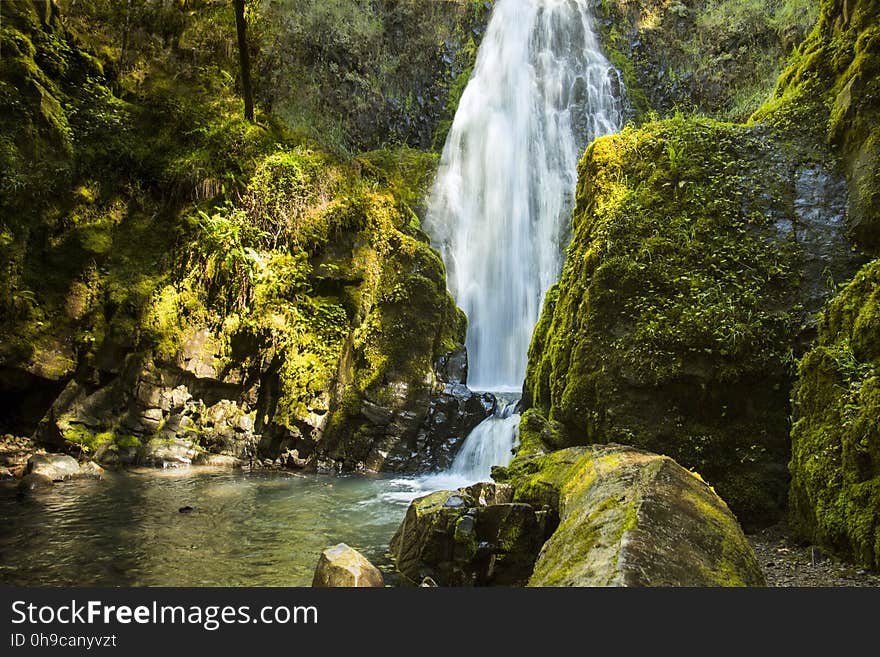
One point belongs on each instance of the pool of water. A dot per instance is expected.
(247, 529)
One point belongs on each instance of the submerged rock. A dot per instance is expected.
(34, 481)
(631, 518)
(218, 461)
(344, 567)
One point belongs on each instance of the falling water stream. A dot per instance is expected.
(499, 211)
(500, 208)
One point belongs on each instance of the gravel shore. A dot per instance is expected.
(786, 563)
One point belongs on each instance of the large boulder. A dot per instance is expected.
(835, 464)
(474, 536)
(345, 567)
(631, 518)
(701, 253)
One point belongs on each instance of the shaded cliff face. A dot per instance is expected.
(701, 253)
(177, 280)
(714, 57)
(375, 72)
(835, 465)
(835, 492)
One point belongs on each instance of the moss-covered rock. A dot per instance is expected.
(471, 537)
(830, 93)
(700, 252)
(835, 465)
(714, 57)
(630, 518)
(343, 567)
(178, 274)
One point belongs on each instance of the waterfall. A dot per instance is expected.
(499, 211)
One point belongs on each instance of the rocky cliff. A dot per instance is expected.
(701, 252)
(179, 281)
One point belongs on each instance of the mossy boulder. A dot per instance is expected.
(700, 253)
(471, 537)
(631, 518)
(835, 465)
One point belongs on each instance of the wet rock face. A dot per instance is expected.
(453, 367)
(475, 536)
(452, 414)
(820, 207)
(149, 415)
(344, 567)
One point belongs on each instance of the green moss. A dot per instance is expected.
(835, 465)
(671, 328)
(79, 436)
(828, 94)
(718, 57)
(140, 209)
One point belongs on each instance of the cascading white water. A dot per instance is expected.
(499, 211)
(500, 208)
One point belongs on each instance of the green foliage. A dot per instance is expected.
(365, 74)
(717, 57)
(672, 326)
(835, 465)
(143, 212)
(828, 94)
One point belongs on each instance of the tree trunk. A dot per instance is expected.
(245, 58)
(125, 31)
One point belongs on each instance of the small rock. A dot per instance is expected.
(56, 467)
(218, 461)
(245, 423)
(91, 469)
(34, 482)
(342, 566)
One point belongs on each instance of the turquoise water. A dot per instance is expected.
(247, 529)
